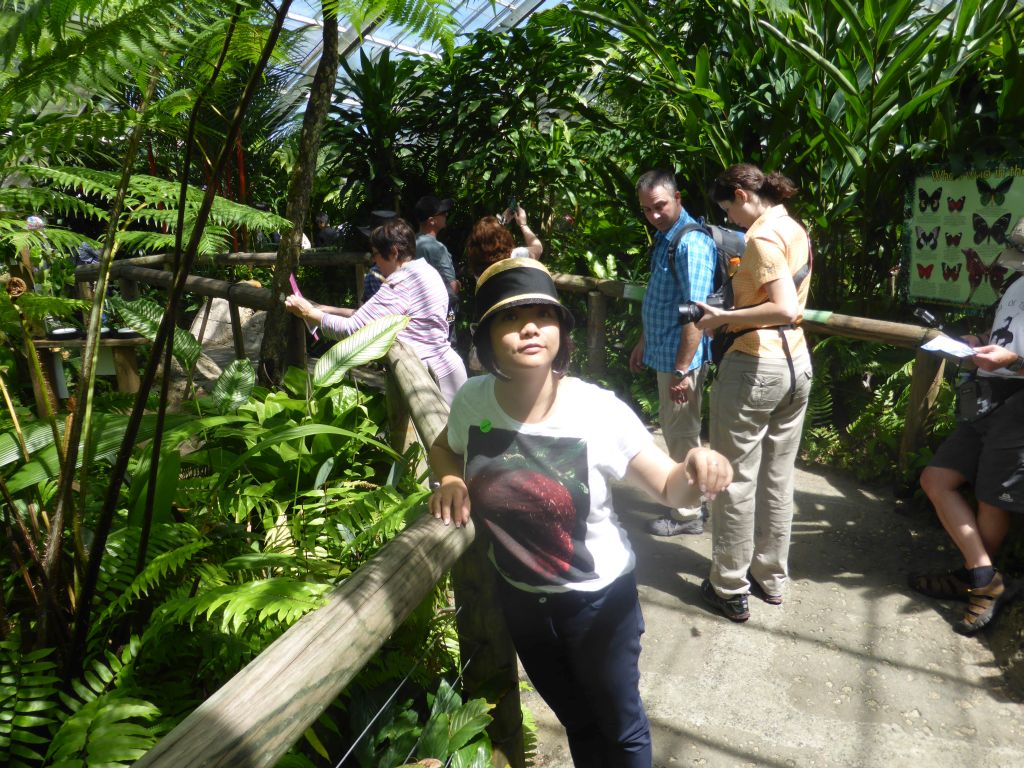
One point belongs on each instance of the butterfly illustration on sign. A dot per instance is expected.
(925, 272)
(953, 240)
(994, 195)
(927, 239)
(926, 200)
(977, 271)
(983, 230)
(954, 205)
(951, 273)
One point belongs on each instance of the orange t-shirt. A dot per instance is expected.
(777, 247)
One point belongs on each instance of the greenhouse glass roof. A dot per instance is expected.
(470, 16)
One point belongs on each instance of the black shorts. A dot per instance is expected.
(989, 452)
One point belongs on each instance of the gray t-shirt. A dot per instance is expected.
(430, 248)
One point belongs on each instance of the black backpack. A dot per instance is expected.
(729, 245)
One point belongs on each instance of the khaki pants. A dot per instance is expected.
(680, 424)
(757, 425)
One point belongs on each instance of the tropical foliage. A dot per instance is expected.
(140, 541)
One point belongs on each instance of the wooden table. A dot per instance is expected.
(126, 363)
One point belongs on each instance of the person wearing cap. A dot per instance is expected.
(412, 288)
(523, 452)
(431, 217)
(987, 453)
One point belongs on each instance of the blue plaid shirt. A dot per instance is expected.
(695, 267)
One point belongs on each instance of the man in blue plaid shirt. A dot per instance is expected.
(678, 353)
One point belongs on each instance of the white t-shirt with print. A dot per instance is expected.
(1008, 326)
(542, 490)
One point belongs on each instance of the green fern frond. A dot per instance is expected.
(37, 306)
(111, 730)
(28, 200)
(29, 702)
(147, 36)
(152, 577)
(281, 601)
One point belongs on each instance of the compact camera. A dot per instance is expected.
(690, 312)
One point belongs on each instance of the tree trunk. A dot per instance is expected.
(275, 335)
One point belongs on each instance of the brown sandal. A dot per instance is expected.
(983, 604)
(944, 586)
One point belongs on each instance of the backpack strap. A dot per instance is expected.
(678, 238)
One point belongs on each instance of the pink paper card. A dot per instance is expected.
(295, 291)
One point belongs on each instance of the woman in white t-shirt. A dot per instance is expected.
(524, 450)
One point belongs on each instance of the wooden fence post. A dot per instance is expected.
(597, 334)
(490, 669)
(924, 388)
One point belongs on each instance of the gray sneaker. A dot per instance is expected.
(667, 526)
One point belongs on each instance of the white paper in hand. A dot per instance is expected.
(944, 345)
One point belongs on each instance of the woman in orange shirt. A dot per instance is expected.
(760, 395)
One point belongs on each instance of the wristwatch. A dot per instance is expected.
(1015, 366)
(679, 374)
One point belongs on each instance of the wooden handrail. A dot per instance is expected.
(316, 257)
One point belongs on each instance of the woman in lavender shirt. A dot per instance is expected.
(412, 288)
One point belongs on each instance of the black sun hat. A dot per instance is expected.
(515, 283)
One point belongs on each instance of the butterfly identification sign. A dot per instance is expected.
(957, 227)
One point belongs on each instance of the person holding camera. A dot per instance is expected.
(677, 352)
(985, 451)
(761, 391)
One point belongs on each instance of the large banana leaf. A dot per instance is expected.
(369, 343)
(108, 432)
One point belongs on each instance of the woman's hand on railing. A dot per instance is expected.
(450, 501)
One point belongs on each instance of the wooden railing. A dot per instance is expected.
(257, 715)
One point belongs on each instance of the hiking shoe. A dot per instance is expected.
(758, 591)
(667, 526)
(733, 608)
(983, 603)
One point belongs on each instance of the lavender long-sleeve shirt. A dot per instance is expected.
(418, 292)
